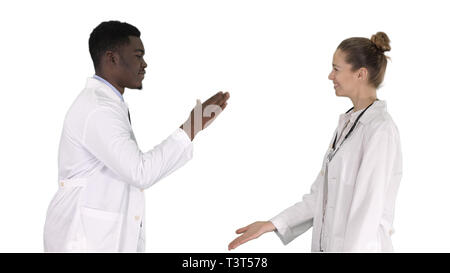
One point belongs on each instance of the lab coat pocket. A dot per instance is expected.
(101, 229)
(385, 232)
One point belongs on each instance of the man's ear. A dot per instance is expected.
(111, 57)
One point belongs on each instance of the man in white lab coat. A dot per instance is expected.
(99, 206)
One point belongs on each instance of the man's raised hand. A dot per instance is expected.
(205, 113)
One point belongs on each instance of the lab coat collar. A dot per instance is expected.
(103, 89)
(354, 115)
(377, 107)
(375, 110)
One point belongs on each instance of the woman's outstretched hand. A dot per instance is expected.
(251, 232)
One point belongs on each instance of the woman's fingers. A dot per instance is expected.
(247, 236)
(242, 229)
(238, 241)
(250, 232)
(234, 243)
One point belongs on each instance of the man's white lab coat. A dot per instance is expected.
(100, 203)
(361, 182)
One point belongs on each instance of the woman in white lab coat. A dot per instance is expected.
(351, 203)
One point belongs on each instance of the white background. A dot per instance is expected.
(263, 153)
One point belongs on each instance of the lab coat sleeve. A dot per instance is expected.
(370, 192)
(108, 137)
(297, 219)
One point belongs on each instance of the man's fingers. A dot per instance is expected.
(223, 99)
(225, 96)
(218, 98)
(223, 105)
(214, 98)
(212, 107)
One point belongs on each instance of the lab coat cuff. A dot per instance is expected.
(181, 135)
(282, 229)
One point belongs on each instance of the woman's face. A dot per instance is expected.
(344, 79)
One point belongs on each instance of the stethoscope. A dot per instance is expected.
(333, 150)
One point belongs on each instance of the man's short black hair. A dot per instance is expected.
(109, 36)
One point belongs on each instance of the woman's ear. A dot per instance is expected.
(363, 74)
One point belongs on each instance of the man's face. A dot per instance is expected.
(131, 68)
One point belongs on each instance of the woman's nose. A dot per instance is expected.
(331, 76)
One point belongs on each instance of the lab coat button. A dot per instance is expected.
(62, 184)
(321, 172)
(137, 218)
(142, 190)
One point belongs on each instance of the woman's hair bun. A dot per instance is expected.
(381, 41)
